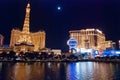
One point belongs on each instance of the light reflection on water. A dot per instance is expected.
(60, 71)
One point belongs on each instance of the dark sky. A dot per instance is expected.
(74, 14)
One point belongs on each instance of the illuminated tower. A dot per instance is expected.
(26, 22)
(25, 36)
(25, 40)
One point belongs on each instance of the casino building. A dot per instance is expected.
(24, 40)
(90, 38)
(1, 40)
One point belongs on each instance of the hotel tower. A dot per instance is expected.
(1, 40)
(89, 38)
(24, 40)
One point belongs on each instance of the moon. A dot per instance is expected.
(58, 8)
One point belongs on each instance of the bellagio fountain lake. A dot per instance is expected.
(59, 71)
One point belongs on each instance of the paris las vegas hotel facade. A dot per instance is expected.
(25, 40)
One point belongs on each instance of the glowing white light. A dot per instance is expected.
(117, 52)
(78, 50)
(99, 31)
(119, 41)
(59, 8)
(83, 50)
(90, 29)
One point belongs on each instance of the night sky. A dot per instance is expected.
(74, 14)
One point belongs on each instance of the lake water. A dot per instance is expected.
(60, 71)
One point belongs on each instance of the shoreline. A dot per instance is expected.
(82, 60)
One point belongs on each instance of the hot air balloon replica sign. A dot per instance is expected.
(72, 43)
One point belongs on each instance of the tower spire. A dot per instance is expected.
(26, 21)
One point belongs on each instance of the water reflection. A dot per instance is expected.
(60, 71)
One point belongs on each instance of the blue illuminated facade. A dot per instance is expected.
(111, 53)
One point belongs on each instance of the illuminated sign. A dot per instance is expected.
(72, 42)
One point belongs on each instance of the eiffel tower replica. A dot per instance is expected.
(25, 40)
(24, 43)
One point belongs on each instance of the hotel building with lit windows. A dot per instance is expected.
(1, 40)
(24, 40)
(90, 38)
